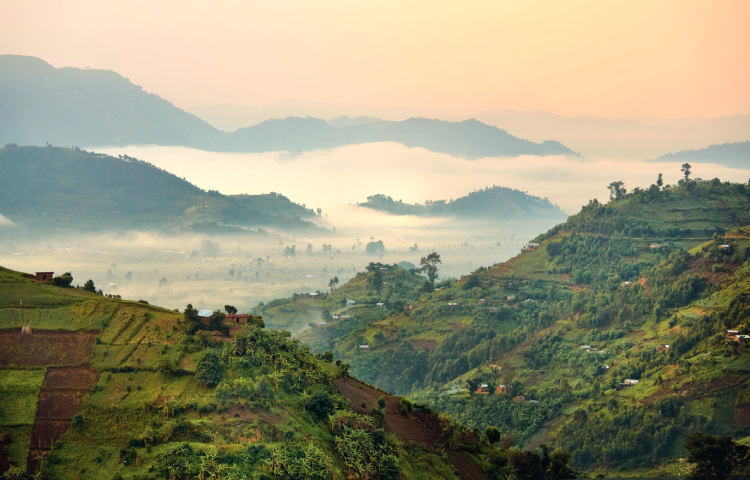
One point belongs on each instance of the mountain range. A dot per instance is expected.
(81, 107)
(735, 155)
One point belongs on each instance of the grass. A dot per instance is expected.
(19, 389)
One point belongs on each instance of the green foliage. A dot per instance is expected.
(210, 369)
(716, 456)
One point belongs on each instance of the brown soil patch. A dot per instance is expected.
(59, 404)
(743, 412)
(46, 348)
(81, 378)
(428, 344)
(47, 432)
(419, 429)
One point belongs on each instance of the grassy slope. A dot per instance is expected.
(131, 401)
(710, 380)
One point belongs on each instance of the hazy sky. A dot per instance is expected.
(670, 58)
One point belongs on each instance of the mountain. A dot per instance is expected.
(70, 106)
(111, 389)
(72, 189)
(41, 104)
(736, 155)
(497, 203)
(608, 339)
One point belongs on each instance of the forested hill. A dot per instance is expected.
(736, 155)
(610, 339)
(498, 203)
(40, 104)
(71, 189)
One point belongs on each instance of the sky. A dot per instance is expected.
(669, 59)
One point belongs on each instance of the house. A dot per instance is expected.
(313, 294)
(519, 399)
(236, 319)
(483, 388)
(654, 245)
(364, 348)
(732, 333)
(379, 304)
(481, 301)
(632, 382)
(626, 284)
(500, 389)
(721, 247)
(511, 298)
(585, 347)
(322, 324)
(413, 306)
(627, 384)
(43, 276)
(531, 246)
(345, 317)
(350, 302)
(659, 348)
(741, 338)
(452, 304)
(335, 317)
(204, 315)
(493, 309)
(591, 349)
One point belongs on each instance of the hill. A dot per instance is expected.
(497, 203)
(72, 189)
(41, 104)
(609, 339)
(71, 106)
(736, 155)
(102, 388)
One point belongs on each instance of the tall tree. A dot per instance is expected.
(659, 181)
(429, 266)
(714, 456)
(685, 169)
(616, 190)
(230, 309)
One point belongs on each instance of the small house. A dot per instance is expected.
(626, 284)
(591, 349)
(335, 317)
(43, 276)
(631, 382)
(732, 333)
(236, 319)
(345, 317)
(313, 294)
(483, 388)
(500, 389)
(350, 302)
(216, 333)
(531, 246)
(741, 338)
(511, 298)
(481, 301)
(364, 348)
(143, 301)
(654, 245)
(519, 399)
(585, 347)
(721, 247)
(413, 306)
(379, 304)
(322, 324)
(204, 315)
(660, 348)
(493, 309)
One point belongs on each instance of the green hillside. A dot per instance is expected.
(104, 388)
(72, 189)
(496, 203)
(623, 278)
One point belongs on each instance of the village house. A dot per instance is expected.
(236, 319)
(322, 324)
(204, 315)
(500, 389)
(511, 298)
(413, 306)
(483, 388)
(626, 284)
(345, 317)
(591, 349)
(364, 348)
(531, 246)
(216, 333)
(379, 304)
(585, 347)
(493, 309)
(43, 276)
(732, 333)
(335, 317)
(481, 301)
(741, 338)
(721, 247)
(350, 302)
(659, 348)
(654, 245)
(519, 399)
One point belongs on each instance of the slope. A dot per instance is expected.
(53, 187)
(644, 282)
(103, 388)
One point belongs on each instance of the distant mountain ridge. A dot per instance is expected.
(735, 155)
(41, 104)
(498, 203)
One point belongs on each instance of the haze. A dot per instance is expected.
(396, 59)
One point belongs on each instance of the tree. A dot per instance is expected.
(209, 248)
(473, 384)
(89, 286)
(321, 404)
(685, 169)
(715, 456)
(381, 402)
(210, 369)
(63, 280)
(333, 283)
(375, 280)
(429, 266)
(659, 181)
(493, 434)
(616, 190)
(192, 319)
(230, 310)
(375, 248)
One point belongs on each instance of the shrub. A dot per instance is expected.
(210, 370)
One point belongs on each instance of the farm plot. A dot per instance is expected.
(45, 348)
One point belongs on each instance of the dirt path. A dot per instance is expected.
(421, 428)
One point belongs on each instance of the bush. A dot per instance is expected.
(210, 369)
(321, 404)
(405, 406)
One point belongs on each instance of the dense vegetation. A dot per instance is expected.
(655, 267)
(495, 203)
(50, 187)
